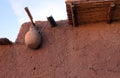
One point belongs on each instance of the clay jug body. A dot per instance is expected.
(33, 38)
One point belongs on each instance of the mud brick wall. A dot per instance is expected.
(88, 51)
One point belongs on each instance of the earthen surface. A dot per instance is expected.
(87, 51)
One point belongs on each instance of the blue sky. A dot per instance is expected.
(12, 14)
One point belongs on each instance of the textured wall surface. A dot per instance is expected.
(87, 51)
(92, 11)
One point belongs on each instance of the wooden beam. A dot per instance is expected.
(72, 8)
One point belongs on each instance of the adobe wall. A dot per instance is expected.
(87, 51)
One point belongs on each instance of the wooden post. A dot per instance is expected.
(72, 7)
(52, 21)
(109, 17)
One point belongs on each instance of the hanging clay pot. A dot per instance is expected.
(33, 38)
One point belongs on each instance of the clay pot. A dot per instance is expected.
(33, 38)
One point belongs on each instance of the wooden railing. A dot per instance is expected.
(92, 11)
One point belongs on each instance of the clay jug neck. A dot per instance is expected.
(32, 28)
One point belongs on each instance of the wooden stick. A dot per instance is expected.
(29, 15)
(73, 14)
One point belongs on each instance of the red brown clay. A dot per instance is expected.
(87, 51)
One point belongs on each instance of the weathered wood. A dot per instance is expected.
(30, 16)
(52, 21)
(73, 14)
(91, 11)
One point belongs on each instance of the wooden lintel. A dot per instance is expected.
(72, 7)
(109, 17)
